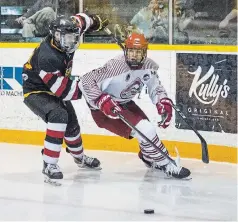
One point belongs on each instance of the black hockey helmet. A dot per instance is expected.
(65, 33)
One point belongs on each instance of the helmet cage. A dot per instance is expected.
(135, 57)
(69, 42)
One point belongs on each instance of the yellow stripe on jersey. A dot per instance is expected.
(35, 92)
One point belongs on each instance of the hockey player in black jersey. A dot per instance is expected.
(48, 90)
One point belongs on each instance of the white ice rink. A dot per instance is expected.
(121, 191)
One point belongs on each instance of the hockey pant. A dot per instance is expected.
(137, 117)
(62, 124)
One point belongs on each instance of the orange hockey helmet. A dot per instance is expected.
(136, 47)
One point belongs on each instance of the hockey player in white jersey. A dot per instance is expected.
(113, 86)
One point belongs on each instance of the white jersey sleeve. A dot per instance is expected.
(96, 81)
(155, 88)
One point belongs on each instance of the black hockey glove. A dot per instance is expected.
(98, 23)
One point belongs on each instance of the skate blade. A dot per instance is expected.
(173, 178)
(83, 166)
(52, 182)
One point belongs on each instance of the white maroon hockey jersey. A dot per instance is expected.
(118, 80)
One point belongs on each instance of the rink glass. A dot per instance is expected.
(162, 22)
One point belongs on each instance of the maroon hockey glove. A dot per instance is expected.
(164, 108)
(106, 104)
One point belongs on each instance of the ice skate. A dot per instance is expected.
(169, 169)
(52, 173)
(177, 172)
(87, 162)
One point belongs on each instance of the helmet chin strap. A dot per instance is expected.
(134, 66)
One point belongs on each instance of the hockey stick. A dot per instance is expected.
(108, 31)
(144, 137)
(205, 155)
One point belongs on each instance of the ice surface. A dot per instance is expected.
(121, 191)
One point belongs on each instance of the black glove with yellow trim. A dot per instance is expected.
(98, 23)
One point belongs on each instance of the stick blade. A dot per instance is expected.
(205, 155)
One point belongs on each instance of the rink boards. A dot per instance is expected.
(214, 120)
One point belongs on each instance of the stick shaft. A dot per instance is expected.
(145, 138)
(205, 155)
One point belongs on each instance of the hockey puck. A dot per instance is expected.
(149, 211)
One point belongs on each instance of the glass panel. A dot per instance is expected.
(149, 17)
(205, 22)
(28, 20)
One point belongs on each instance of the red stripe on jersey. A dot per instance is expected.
(47, 77)
(74, 141)
(159, 158)
(76, 152)
(62, 87)
(81, 23)
(51, 153)
(75, 95)
(55, 134)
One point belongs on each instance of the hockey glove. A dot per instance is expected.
(164, 108)
(106, 104)
(98, 23)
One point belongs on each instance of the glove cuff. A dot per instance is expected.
(165, 100)
(98, 23)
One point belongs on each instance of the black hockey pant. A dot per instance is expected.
(62, 123)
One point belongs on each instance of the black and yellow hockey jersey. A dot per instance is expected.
(48, 70)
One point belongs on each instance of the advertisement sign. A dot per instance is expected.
(206, 91)
(11, 81)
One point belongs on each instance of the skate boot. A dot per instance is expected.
(177, 172)
(169, 169)
(52, 173)
(148, 163)
(87, 162)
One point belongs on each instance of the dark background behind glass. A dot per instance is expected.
(203, 29)
(117, 11)
(10, 33)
